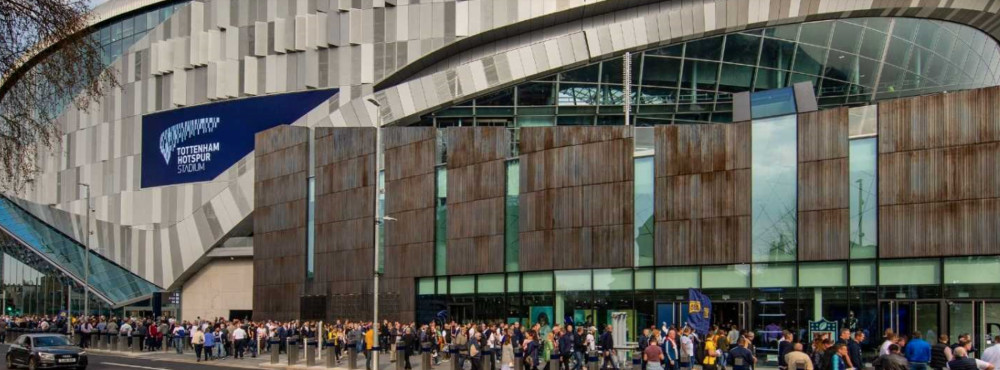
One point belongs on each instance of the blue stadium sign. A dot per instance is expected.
(199, 143)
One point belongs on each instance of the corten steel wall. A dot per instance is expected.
(476, 192)
(409, 198)
(345, 189)
(576, 201)
(280, 190)
(939, 177)
(824, 186)
(702, 194)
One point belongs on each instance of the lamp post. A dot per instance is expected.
(86, 258)
(378, 223)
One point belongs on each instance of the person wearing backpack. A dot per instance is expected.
(178, 335)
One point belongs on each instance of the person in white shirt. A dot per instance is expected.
(890, 339)
(240, 339)
(962, 360)
(992, 354)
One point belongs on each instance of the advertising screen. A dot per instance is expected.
(198, 143)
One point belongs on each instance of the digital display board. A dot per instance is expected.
(198, 143)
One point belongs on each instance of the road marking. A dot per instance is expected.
(133, 366)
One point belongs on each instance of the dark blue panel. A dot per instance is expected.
(770, 103)
(199, 143)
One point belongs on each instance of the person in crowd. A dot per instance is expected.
(210, 343)
(178, 338)
(835, 358)
(784, 347)
(940, 353)
(652, 355)
(239, 340)
(818, 355)
(711, 358)
(687, 348)
(607, 345)
(531, 350)
(198, 341)
(854, 350)
(722, 344)
(740, 357)
(894, 360)
(890, 339)
(671, 352)
(962, 361)
(567, 347)
(507, 354)
(548, 346)
(797, 359)
(992, 354)
(918, 352)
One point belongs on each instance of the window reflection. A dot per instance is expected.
(773, 193)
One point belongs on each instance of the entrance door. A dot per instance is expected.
(906, 317)
(460, 313)
(727, 314)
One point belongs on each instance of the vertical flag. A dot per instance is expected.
(699, 311)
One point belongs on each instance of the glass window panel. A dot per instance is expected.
(867, 70)
(537, 281)
(905, 28)
(535, 121)
(863, 192)
(735, 78)
(504, 98)
(833, 88)
(772, 103)
(513, 283)
(611, 70)
(862, 273)
(536, 93)
(660, 71)
(425, 286)
(128, 27)
(105, 34)
(732, 276)
(643, 217)
(881, 24)
(463, 284)
(613, 279)
(846, 37)
(588, 73)
(898, 51)
(944, 43)
(441, 222)
(823, 274)
(613, 95)
(787, 32)
(773, 199)
(709, 48)
(657, 95)
(610, 120)
(872, 44)
(890, 79)
(678, 277)
(575, 120)
(773, 276)
(909, 272)
(920, 60)
(512, 247)
(972, 270)
(809, 59)
(672, 50)
(490, 283)
(816, 33)
(116, 31)
(768, 79)
(140, 23)
(577, 94)
(777, 54)
(842, 66)
(311, 227)
(741, 48)
(644, 278)
(699, 74)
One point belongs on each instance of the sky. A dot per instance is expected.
(94, 3)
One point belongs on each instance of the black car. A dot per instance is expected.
(45, 351)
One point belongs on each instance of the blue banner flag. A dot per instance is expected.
(699, 312)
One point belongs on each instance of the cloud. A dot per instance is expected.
(95, 3)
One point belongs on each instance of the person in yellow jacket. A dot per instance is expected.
(711, 353)
(369, 341)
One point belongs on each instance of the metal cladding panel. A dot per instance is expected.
(576, 200)
(823, 186)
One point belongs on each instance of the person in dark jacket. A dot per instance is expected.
(607, 346)
(740, 356)
(784, 346)
(940, 353)
(643, 343)
(962, 361)
(854, 350)
(567, 344)
(409, 340)
(893, 361)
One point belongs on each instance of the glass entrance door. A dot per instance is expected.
(907, 317)
(979, 319)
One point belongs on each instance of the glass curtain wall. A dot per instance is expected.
(849, 62)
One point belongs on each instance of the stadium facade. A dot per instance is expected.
(798, 161)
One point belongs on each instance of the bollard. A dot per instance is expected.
(400, 355)
(685, 361)
(135, 343)
(274, 343)
(114, 343)
(518, 359)
(592, 360)
(293, 351)
(310, 352)
(554, 361)
(637, 359)
(490, 360)
(122, 344)
(456, 358)
(352, 356)
(425, 356)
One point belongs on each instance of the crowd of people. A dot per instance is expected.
(663, 348)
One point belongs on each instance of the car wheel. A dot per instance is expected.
(32, 364)
(10, 362)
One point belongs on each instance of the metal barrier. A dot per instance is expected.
(293, 351)
(685, 362)
(311, 349)
(425, 356)
(457, 361)
(274, 344)
(330, 353)
(592, 360)
(352, 356)
(518, 359)
(490, 360)
(554, 362)
(637, 359)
